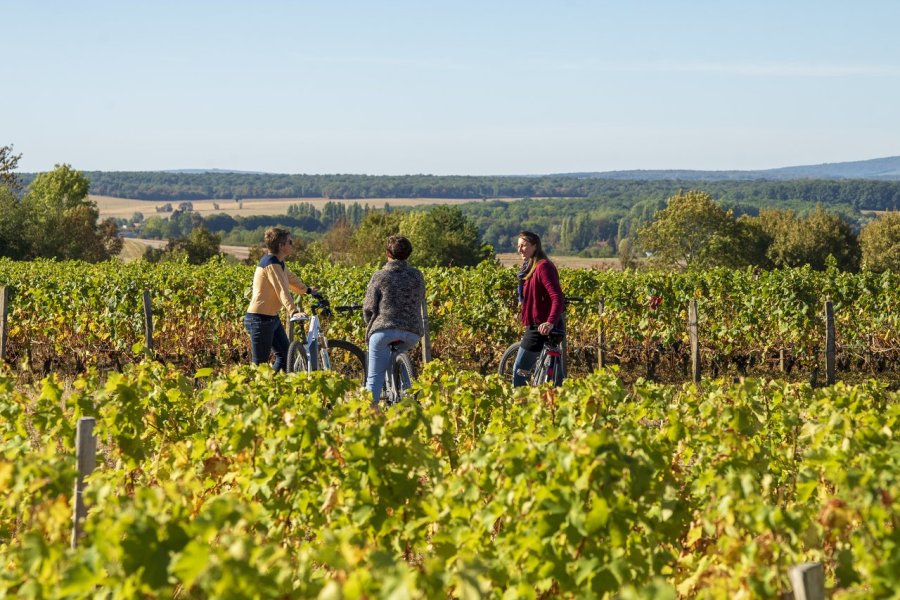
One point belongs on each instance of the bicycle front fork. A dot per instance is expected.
(554, 364)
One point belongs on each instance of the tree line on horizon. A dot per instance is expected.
(861, 194)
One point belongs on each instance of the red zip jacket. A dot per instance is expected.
(543, 297)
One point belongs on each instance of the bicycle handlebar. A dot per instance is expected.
(349, 308)
(323, 306)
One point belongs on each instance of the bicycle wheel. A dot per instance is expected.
(296, 358)
(403, 374)
(507, 361)
(405, 370)
(347, 359)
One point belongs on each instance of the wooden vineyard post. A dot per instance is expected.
(601, 337)
(86, 457)
(4, 312)
(829, 343)
(148, 322)
(695, 341)
(808, 581)
(426, 338)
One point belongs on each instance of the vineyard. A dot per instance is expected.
(255, 485)
(215, 479)
(69, 316)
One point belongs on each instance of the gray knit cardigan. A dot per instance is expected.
(393, 299)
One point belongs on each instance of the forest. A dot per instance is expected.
(861, 194)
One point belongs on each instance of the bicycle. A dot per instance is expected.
(400, 373)
(551, 362)
(317, 352)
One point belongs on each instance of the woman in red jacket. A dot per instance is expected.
(542, 302)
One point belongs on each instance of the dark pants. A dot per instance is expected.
(530, 349)
(267, 334)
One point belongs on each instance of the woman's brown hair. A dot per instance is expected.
(398, 247)
(275, 236)
(539, 254)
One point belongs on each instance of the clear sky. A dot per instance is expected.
(451, 87)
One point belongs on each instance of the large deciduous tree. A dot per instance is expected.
(691, 232)
(754, 241)
(369, 238)
(798, 241)
(444, 236)
(199, 246)
(61, 222)
(880, 242)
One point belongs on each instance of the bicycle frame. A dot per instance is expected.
(549, 365)
(314, 338)
(312, 345)
(552, 361)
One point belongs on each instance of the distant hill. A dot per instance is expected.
(887, 169)
(863, 185)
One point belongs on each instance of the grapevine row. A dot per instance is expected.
(70, 316)
(252, 484)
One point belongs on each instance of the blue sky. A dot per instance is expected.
(449, 87)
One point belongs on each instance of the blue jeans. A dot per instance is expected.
(525, 363)
(380, 356)
(267, 334)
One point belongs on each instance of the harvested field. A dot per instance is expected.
(508, 259)
(133, 249)
(124, 208)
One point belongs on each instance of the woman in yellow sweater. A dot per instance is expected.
(273, 283)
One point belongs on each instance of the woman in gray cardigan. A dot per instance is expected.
(392, 311)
